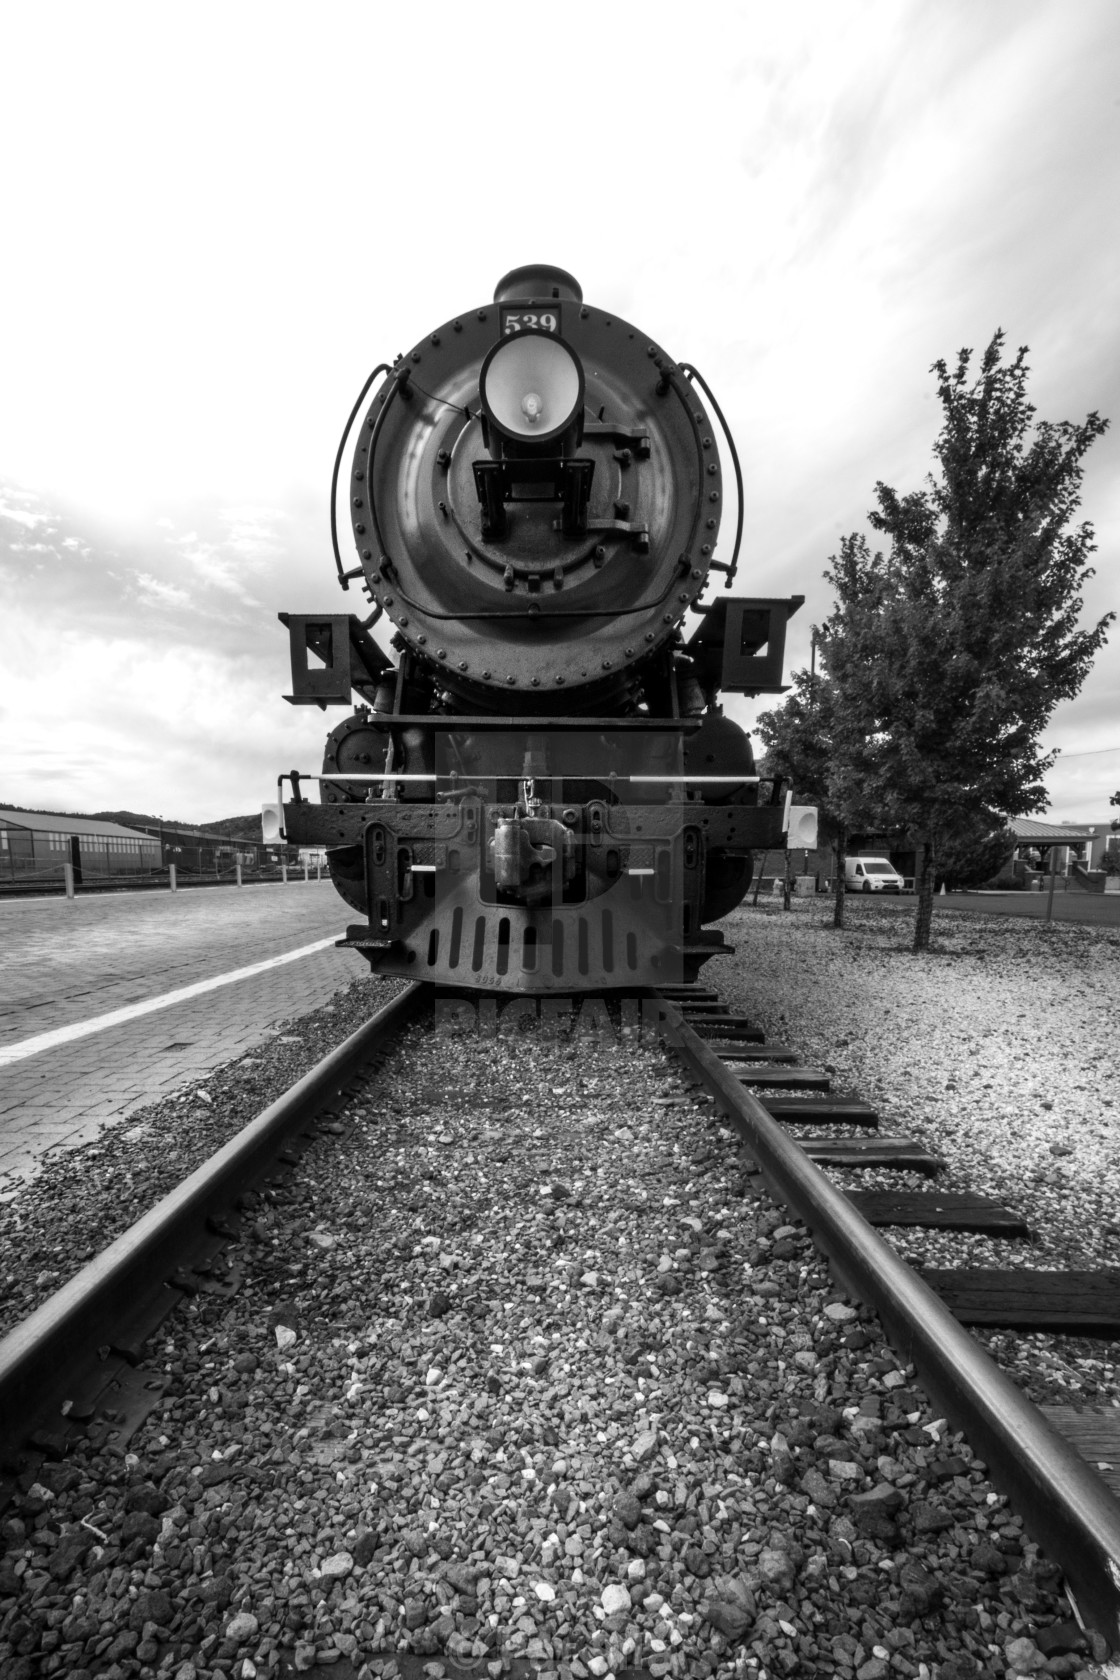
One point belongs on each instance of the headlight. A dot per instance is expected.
(531, 390)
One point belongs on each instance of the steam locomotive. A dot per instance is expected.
(541, 794)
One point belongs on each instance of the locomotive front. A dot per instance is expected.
(542, 793)
(531, 515)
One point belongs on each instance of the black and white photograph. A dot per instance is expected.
(560, 842)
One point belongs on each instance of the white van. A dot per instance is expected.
(871, 874)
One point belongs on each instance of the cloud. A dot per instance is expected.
(164, 594)
(24, 516)
(181, 729)
(843, 194)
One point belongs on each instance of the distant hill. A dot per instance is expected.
(235, 828)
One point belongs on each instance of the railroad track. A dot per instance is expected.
(84, 1347)
(1033, 1453)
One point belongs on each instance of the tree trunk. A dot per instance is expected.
(839, 895)
(925, 898)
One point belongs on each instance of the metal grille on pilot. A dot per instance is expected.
(541, 793)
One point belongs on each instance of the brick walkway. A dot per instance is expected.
(66, 961)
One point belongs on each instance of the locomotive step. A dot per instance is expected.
(940, 1211)
(821, 1111)
(1075, 1303)
(899, 1152)
(784, 1078)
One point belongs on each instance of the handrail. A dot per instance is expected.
(692, 373)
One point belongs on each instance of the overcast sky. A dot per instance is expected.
(218, 219)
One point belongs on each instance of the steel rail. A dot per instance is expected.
(1065, 1505)
(40, 1356)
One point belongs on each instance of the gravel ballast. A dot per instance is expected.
(81, 1198)
(522, 1366)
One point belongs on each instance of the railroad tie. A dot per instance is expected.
(714, 1023)
(1095, 1432)
(758, 1053)
(939, 1210)
(779, 1078)
(901, 1153)
(727, 1043)
(821, 1111)
(1076, 1303)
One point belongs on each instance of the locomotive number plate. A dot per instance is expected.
(539, 320)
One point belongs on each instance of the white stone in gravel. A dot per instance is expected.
(615, 1598)
(285, 1337)
(665, 1264)
(636, 1569)
(590, 1280)
(1023, 1655)
(839, 1313)
(336, 1566)
(507, 1566)
(242, 1627)
(544, 1591)
(644, 1445)
(716, 1399)
(843, 1470)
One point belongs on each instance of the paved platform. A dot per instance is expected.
(70, 962)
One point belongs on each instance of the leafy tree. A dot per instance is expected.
(972, 856)
(800, 741)
(948, 654)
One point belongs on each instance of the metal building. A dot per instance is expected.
(35, 846)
